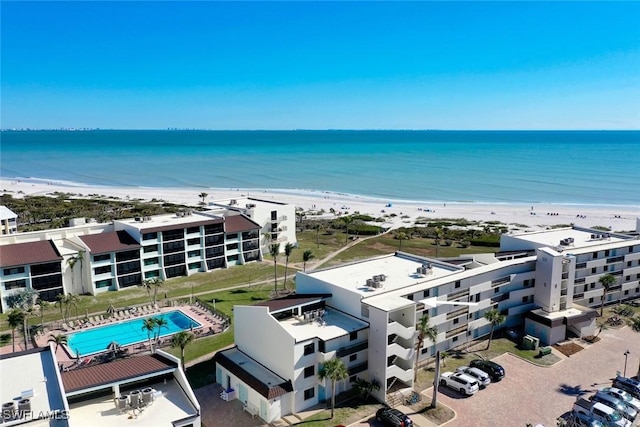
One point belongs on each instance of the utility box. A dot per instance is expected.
(530, 342)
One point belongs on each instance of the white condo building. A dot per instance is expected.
(8, 221)
(366, 313)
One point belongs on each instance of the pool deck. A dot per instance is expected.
(209, 325)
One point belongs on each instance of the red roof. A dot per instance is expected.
(239, 223)
(28, 253)
(111, 372)
(293, 300)
(113, 241)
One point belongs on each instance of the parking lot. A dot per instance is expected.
(539, 395)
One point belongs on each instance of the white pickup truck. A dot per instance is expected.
(600, 412)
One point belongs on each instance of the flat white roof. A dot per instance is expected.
(581, 238)
(389, 302)
(336, 324)
(400, 271)
(165, 220)
(34, 374)
(243, 201)
(171, 406)
(255, 369)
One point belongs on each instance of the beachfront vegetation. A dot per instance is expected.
(57, 209)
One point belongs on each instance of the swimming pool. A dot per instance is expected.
(97, 339)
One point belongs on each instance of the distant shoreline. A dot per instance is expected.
(398, 213)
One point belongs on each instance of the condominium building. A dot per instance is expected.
(35, 393)
(93, 258)
(378, 303)
(8, 221)
(277, 220)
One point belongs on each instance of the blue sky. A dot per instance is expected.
(347, 65)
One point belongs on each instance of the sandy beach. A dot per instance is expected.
(538, 216)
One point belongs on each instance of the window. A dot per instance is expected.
(13, 270)
(149, 249)
(274, 215)
(50, 268)
(170, 247)
(606, 253)
(627, 278)
(626, 292)
(525, 299)
(149, 236)
(593, 270)
(496, 290)
(353, 358)
(353, 378)
(628, 263)
(353, 336)
(151, 261)
(593, 285)
(457, 285)
(595, 255)
(174, 259)
(309, 371)
(103, 257)
(606, 268)
(152, 274)
(425, 294)
(456, 320)
(309, 393)
(410, 296)
(309, 349)
(232, 246)
(192, 242)
(424, 350)
(104, 283)
(194, 266)
(128, 267)
(102, 270)
(192, 254)
(132, 280)
(173, 235)
(454, 339)
(192, 230)
(15, 284)
(127, 256)
(526, 283)
(590, 300)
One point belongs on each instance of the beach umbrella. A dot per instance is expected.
(113, 346)
(111, 309)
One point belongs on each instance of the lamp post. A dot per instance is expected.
(626, 354)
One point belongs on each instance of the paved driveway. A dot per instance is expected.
(533, 394)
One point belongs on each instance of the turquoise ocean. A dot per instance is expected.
(564, 167)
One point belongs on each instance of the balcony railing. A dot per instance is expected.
(457, 313)
(456, 295)
(500, 297)
(500, 281)
(345, 351)
(356, 369)
(456, 331)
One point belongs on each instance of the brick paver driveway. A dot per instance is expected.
(533, 394)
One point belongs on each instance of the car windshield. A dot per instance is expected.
(615, 416)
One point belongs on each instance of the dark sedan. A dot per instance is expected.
(495, 371)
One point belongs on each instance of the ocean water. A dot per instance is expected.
(569, 167)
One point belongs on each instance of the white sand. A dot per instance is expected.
(619, 218)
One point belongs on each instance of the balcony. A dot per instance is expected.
(457, 313)
(500, 298)
(457, 295)
(501, 281)
(457, 331)
(401, 331)
(405, 375)
(400, 351)
(356, 369)
(345, 351)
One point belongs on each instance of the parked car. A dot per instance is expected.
(580, 419)
(600, 412)
(461, 382)
(629, 385)
(393, 418)
(615, 403)
(481, 376)
(623, 395)
(495, 371)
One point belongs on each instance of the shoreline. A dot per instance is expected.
(399, 213)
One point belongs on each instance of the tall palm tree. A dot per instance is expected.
(425, 331)
(160, 322)
(306, 257)
(436, 381)
(607, 281)
(181, 340)
(334, 370)
(401, 235)
(203, 196)
(15, 319)
(60, 303)
(347, 221)
(288, 249)
(494, 317)
(24, 300)
(58, 339)
(149, 325)
(274, 250)
(319, 226)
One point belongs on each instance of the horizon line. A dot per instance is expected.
(88, 129)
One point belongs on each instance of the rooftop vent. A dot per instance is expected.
(233, 202)
(24, 408)
(8, 411)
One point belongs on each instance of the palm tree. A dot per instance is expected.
(365, 388)
(439, 236)
(318, 227)
(443, 357)
(425, 330)
(274, 250)
(203, 196)
(306, 257)
(607, 281)
(494, 317)
(71, 262)
(181, 340)
(149, 325)
(15, 319)
(288, 248)
(58, 339)
(347, 220)
(60, 303)
(153, 283)
(24, 301)
(436, 381)
(43, 306)
(335, 370)
(160, 323)
(401, 235)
